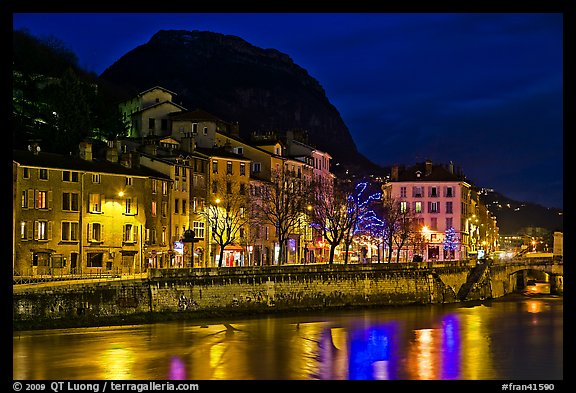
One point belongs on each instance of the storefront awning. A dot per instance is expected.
(232, 247)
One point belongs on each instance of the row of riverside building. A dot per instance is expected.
(123, 207)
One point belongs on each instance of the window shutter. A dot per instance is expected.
(134, 209)
(89, 232)
(49, 200)
(31, 198)
(35, 230)
(101, 233)
(438, 207)
(102, 199)
(135, 233)
(50, 230)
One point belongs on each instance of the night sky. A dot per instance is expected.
(484, 90)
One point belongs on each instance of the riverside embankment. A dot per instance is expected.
(166, 294)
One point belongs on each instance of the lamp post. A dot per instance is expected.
(425, 232)
(190, 237)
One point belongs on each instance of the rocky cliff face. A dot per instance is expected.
(262, 89)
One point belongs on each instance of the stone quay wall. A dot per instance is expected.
(204, 293)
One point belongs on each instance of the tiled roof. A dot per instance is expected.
(418, 173)
(59, 161)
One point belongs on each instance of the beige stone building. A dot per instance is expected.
(83, 216)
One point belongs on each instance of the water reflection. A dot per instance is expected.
(499, 340)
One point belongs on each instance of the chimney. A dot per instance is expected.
(428, 170)
(134, 159)
(112, 152)
(151, 149)
(394, 174)
(451, 167)
(85, 150)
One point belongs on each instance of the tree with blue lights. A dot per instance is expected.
(450, 242)
(339, 209)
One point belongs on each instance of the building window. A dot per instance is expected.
(131, 206)
(26, 173)
(229, 167)
(164, 188)
(43, 230)
(96, 178)
(215, 166)
(256, 167)
(183, 206)
(41, 259)
(164, 124)
(176, 206)
(128, 181)
(418, 207)
(154, 208)
(70, 231)
(25, 230)
(95, 232)
(417, 192)
(194, 128)
(228, 187)
(151, 123)
(403, 206)
(130, 233)
(449, 222)
(163, 239)
(402, 192)
(434, 227)
(242, 189)
(449, 192)
(42, 199)
(94, 259)
(214, 187)
(43, 174)
(205, 131)
(449, 207)
(176, 170)
(27, 200)
(70, 201)
(154, 186)
(433, 191)
(433, 207)
(198, 227)
(70, 176)
(164, 208)
(95, 203)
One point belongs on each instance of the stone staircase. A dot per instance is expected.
(475, 276)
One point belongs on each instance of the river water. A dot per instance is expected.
(513, 338)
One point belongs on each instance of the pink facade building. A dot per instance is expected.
(441, 198)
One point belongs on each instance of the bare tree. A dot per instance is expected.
(337, 212)
(405, 229)
(284, 200)
(226, 213)
(399, 225)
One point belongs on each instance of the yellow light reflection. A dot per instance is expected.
(117, 363)
(425, 350)
(217, 359)
(476, 357)
(534, 306)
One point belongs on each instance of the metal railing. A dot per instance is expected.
(101, 275)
